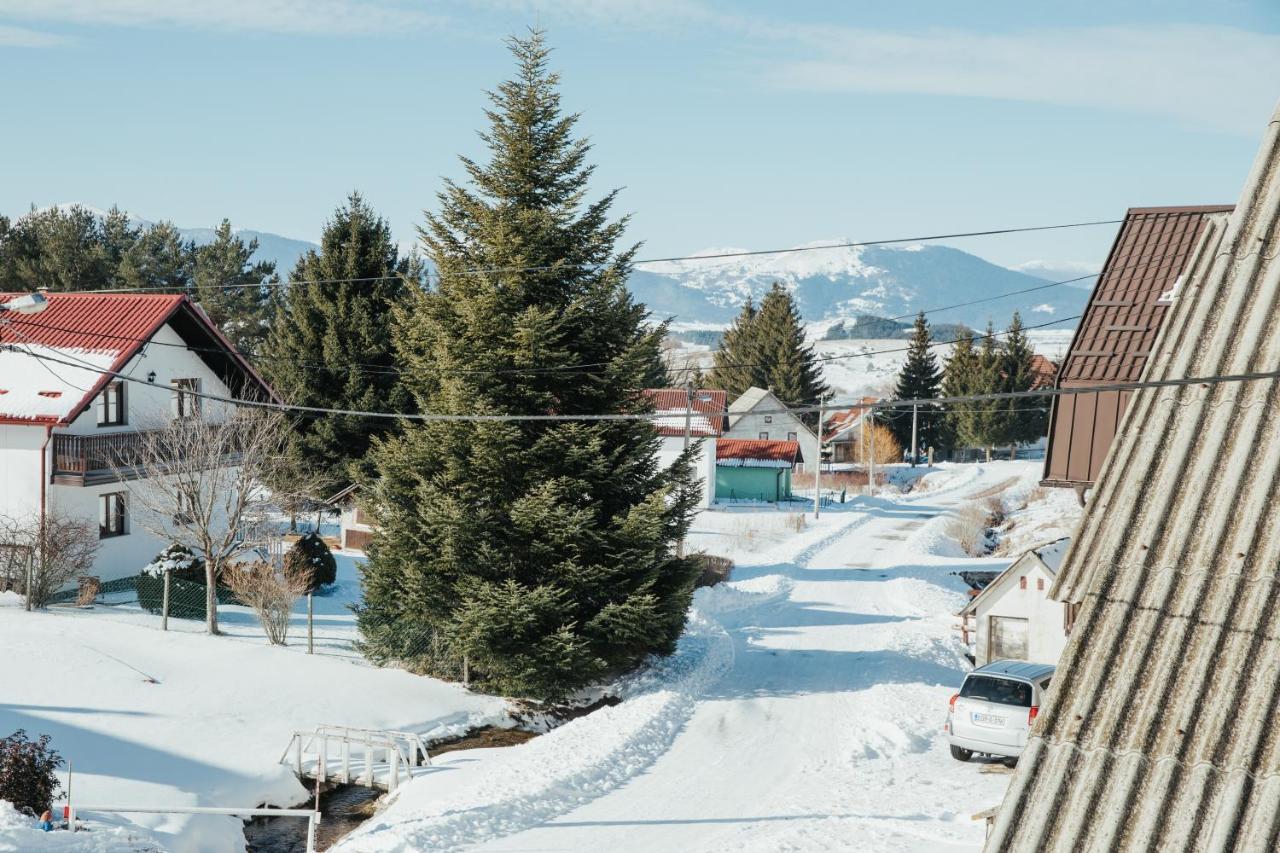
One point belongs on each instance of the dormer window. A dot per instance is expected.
(186, 400)
(111, 407)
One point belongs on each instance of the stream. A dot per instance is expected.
(344, 807)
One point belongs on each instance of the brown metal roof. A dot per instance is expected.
(1114, 339)
(1162, 728)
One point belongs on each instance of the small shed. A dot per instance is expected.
(356, 528)
(1013, 617)
(755, 469)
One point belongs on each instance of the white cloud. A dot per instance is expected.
(1219, 77)
(1059, 269)
(312, 17)
(22, 37)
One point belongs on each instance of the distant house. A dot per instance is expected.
(79, 382)
(706, 424)
(1115, 338)
(1013, 616)
(355, 527)
(758, 415)
(842, 431)
(755, 469)
(1043, 372)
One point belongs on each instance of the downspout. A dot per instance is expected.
(44, 473)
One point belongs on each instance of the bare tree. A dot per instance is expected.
(60, 548)
(202, 483)
(271, 592)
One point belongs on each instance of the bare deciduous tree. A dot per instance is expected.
(271, 592)
(61, 548)
(201, 483)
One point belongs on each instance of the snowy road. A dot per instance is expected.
(823, 732)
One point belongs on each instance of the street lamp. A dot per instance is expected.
(32, 303)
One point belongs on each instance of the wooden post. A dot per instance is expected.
(915, 421)
(466, 671)
(817, 468)
(310, 632)
(346, 761)
(164, 606)
(297, 754)
(30, 576)
(322, 759)
(871, 478)
(368, 762)
(688, 430)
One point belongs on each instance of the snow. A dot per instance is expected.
(802, 711)
(210, 730)
(32, 388)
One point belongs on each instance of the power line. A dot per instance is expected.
(584, 265)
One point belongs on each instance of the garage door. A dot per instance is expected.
(1008, 638)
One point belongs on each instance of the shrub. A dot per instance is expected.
(270, 593)
(28, 772)
(186, 584)
(311, 554)
(61, 548)
(712, 569)
(969, 528)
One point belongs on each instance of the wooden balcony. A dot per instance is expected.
(87, 460)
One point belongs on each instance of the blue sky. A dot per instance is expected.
(744, 124)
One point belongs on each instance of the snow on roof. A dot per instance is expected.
(38, 391)
(749, 399)
(672, 404)
(757, 453)
(699, 425)
(1051, 554)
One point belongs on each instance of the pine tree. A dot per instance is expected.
(920, 378)
(228, 285)
(736, 361)
(959, 379)
(330, 344)
(1024, 419)
(541, 553)
(157, 259)
(989, 418)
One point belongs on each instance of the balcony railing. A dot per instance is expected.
(80, 460)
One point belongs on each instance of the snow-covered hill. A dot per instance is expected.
(836, 283)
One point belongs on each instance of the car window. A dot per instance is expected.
(1002, 691)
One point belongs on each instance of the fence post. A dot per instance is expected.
(164, 606)
(466, 671)
(30, 576)
(310, 634)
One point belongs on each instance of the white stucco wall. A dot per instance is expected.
(147, 406)
(778, 425)
(1046, 636)
(704, 464)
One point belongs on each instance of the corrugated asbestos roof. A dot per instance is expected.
(1114, 340)
(1162, 730)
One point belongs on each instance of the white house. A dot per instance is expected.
(1013, 617)
(759, 415)
(706, 424)
(65, 414)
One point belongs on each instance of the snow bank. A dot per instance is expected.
(19, 833)
(733, 596)
(517, 788)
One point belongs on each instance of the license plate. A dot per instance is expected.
(987, 719)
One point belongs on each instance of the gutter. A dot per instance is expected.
(44, 474)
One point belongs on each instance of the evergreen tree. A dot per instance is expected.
(541, 553)
(330, 345)
(959, 379)
(919, 378)
(989, 418)
(61, 249)
(157, 259)
(766, 348)
(228, 285)
(1024, 418)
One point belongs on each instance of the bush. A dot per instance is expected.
(186, 584)
(311, 554)
(270, 593)
(28, 772)
(712, 569)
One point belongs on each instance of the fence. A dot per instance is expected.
(313, 817)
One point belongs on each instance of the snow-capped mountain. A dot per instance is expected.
(842, 282)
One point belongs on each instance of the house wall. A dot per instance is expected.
(779, 427)
(356, 532)
(758, 484)
(147, 407)
(1046, 634)
(704, 463)
(20, 452)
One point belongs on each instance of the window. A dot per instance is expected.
(185, 514)
(1006, 638)
(111, 521)
(791, 436)
(1040, 583)
(768, 419)
(1002, 691)
(111, 405)
(1022, 582)
(764, 436)
(185, 402)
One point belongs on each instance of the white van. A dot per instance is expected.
(994, 710)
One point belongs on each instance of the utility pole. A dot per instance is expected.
(817, 468)
(871, 478)
(915, 422)
(688, 431)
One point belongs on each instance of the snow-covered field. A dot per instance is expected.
(802, 711)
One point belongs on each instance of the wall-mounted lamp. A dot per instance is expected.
(151, 376)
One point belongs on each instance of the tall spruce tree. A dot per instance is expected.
(959, 378)
(920, 378)
(330, 344)
(1024, 418)
(989, 418)
(541, 553)
(227, 283)
(766, 348)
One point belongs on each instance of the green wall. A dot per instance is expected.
(760, 484)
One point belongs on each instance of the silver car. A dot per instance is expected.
(994, 710)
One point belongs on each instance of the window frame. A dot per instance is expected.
(186, 399)
(107, 417)
(764, 436)
(112, 524)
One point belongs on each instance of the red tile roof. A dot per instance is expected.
(759, 449)
(673, 403)
(839, 421)
(114, 325)
(1043, 372)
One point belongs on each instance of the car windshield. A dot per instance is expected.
(1002, 691)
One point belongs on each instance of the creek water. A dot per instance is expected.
(344, 807)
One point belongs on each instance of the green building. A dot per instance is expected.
(755, 469)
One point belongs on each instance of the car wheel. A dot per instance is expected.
(959, 753)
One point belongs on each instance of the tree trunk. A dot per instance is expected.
(211, 597)
(988, 451)
(1013, 452)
